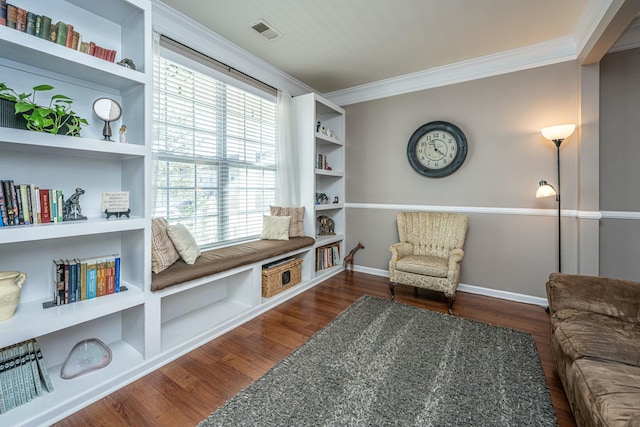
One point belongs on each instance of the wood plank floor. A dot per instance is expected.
(187, 390)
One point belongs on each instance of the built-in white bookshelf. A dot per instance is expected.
(95, 165)
(320, 131)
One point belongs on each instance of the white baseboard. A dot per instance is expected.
(495, 293)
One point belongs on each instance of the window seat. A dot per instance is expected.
(222, 259)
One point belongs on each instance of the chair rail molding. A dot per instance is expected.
(487, 210)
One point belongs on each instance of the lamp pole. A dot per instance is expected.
(557, 142)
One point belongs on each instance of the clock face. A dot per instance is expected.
(437, 149)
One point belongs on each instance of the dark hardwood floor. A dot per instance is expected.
(187, 390)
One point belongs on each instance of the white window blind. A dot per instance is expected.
(214, 154)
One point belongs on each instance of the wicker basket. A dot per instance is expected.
(281, 277)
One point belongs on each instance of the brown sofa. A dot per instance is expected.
(595, 341)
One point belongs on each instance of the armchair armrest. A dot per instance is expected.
(399, 250)
(611, 297)
(455, 256)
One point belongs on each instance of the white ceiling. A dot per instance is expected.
(332, 45)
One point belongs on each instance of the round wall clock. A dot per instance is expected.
(437, 149)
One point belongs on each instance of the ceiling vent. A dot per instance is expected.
(266, 30)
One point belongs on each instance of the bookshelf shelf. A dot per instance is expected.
(92, 226)
(22, 48)
(30, 320)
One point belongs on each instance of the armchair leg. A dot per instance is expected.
(392, 288)
(451, 298)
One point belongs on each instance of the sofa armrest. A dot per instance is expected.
(610, 297)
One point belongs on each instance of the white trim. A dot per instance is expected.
(494, 293)
(478, 210)
(547, 53)
(183, 29)
(620, 215)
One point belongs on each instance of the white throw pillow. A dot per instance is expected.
(275, 227)
(184, 242)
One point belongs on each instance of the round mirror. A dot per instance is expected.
(108, 110)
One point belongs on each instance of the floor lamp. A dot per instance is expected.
(556, 134)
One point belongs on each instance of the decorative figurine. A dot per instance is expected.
(327, 226)
(71, 209)
(123, 134)
(321, 198)
(127, 63)
(348, 260)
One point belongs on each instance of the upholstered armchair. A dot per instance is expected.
(429, 252)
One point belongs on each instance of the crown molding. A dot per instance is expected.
(630, 39)
(547, 53)
(183, 29)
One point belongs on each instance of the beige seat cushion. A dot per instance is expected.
(424, 264)
(587, 334)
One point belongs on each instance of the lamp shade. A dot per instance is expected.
(545, 190)
(559, 132)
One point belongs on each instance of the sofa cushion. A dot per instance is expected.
(424, 264)
(607, 394)
(586, 334)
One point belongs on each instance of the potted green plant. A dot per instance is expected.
(56, 118)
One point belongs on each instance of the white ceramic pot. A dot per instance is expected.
(10, 287)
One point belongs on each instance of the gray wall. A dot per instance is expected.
(619, 170)
(506, 249)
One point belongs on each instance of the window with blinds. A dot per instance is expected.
(214, 154)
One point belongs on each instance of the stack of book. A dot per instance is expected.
(327, 256)
(22, 374)
(43, 27)
(85, 278)
(24, 204)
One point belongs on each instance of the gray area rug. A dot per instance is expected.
(382, 363)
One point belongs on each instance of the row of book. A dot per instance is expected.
(22, 374)
(321, 161)
(24, 204)
(60, 33)
(85, 278)
(327, 256)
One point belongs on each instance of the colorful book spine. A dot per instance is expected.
(117, 273)
(92, 278)
(45, 32)
(31, 23)
(4, 219)
(58, 281)
(73, 279)
(12, 16)
(3, 17)
(83, 279)
(61, 39)
(45, 213)
(21, 20)
(101, 277)
(110, 275)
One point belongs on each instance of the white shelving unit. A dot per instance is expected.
(312, 113)
(95, 165)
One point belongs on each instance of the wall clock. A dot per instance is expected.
(437, 149)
